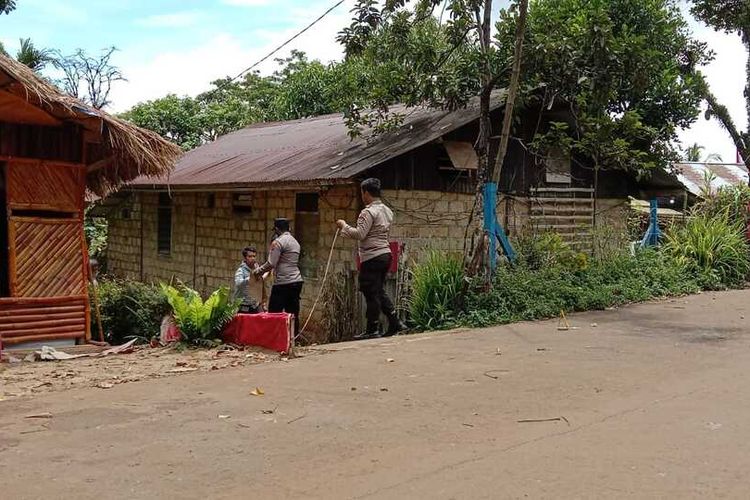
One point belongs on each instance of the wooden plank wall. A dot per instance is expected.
(39, 319)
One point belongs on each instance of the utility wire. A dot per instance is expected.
(274, 51)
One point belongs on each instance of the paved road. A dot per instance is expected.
(656, 398)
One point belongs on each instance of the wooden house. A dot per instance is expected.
(52, 149)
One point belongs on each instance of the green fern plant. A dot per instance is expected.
(199, 322)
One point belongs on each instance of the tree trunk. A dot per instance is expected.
(482, 146)
(515, 80)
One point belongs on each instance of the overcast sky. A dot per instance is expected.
(179, 46)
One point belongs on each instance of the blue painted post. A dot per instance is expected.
(653, 233)
(490, 220)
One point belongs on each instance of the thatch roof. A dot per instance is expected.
(119, 151)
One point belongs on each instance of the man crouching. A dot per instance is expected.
(373, 228)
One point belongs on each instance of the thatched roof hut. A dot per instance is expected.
(54, 148)
(115, 150)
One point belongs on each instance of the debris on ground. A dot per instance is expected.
(40, 415)
(103, 370)
(536, 420)
(257, 392)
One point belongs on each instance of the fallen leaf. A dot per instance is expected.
(383, 389)
(594, 325)
(257, 392)
(224, 417)
(105, 385)
(353, 389)
(390, 360)
(40, 415)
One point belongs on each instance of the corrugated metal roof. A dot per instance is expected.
(313, 149)
(693, 175)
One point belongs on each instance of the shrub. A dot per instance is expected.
(712, 248)
(547, 250)
(199, 322)
(729, 201)
(129, 309)
(526, 294)
(436, 289)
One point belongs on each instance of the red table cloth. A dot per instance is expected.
(270, 330)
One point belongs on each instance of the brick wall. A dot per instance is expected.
(207, 235)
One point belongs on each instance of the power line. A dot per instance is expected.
(290, 40)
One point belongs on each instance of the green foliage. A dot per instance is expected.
(628, 67)
(524, 294)
(300, 88)
(712, 248)
(129, 309)
(28, 54)
(436, 290)
(199, 322)
(6, 6)
(728, 201)
(727, 15)
(95, 230)
(546, 251)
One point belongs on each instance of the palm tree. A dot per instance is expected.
(693, 153)
(29, 55)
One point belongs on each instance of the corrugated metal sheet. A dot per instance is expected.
(314, 149)
(693, 175)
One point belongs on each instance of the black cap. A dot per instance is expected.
(281, 224)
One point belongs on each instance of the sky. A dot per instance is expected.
(180, 46)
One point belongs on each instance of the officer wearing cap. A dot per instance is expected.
(283, 258)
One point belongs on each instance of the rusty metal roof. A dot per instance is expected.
(694, 175)
(313, 149)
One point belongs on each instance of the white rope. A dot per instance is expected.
(322, 283)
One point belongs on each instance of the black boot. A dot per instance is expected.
(395, 325)
(373, 332)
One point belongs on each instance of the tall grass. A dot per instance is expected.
(711, 247)
(436, 289)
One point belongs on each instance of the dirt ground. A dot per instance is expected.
(649, 401)
(24, 379)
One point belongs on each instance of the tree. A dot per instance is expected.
(693, 154)
(299, 88)
(30, 55)
(731, 16)
(414, 58)
(86, 77)
(627, 68)
(6, 6)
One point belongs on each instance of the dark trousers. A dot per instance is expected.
(372, 285)
(285, 298)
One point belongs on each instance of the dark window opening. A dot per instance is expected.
(4, 242)
(307, 203)
(307, 231)
(242, 203)
(45, 214)
(125, 214)
(211, 201)
(164, 224)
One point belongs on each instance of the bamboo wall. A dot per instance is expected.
(46, 253)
